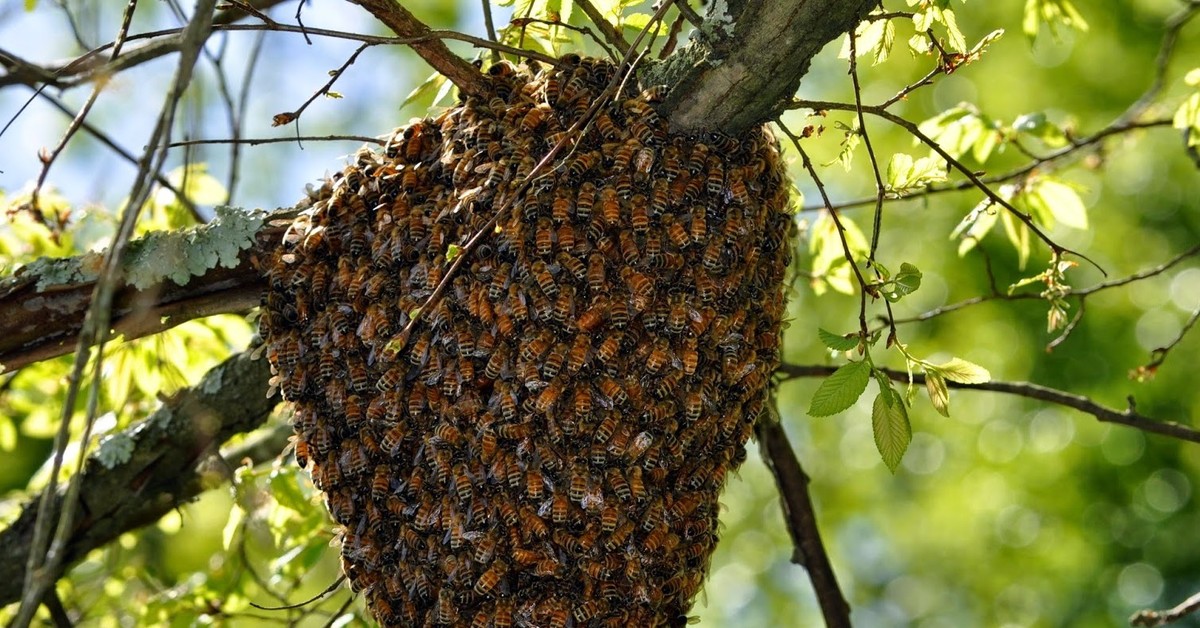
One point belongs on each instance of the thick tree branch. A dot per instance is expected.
(1129, 417)
(160, 471)
(460, 71)
(731, 83)
(801, 519)
(39, 324)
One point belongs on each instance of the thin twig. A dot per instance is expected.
(800, 516)
(490, 27)
(330, 589)
(289, 117)
(48, 159)
(1162, 63)
(877, 223)
(606, 28)
(103, 138)
(837, 221)
(458, 70)
(243, 105)
(256, 141)
(1162, 618)
(1159, 355)
(1129, 417)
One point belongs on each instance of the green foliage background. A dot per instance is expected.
(1010, 512)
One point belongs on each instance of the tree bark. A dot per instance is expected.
(730, 81)
(160, 472)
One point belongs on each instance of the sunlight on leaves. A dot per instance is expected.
(889, 422)
(840, 390)
(1054, 14)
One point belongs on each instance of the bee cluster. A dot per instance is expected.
(548, 445)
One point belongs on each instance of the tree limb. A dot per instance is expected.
(1170, 616)
(161, 471)
(801, 519)
(39, 324)
(460, 71)
(1129, 417)
(732, 82)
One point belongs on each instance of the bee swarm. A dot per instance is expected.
(548, 445)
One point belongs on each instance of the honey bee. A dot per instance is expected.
(536, 116)
(502, 618)
(566, 238)
(534, 484)
(610, 206)
(353, 460)
(462, 482)
(582, 163)
(610, 347)
(300, 451)
(623, 185)
(545, 280)
(617, 482)
(447, 433)
(585, 200)
(532, 524)
(654, 541)
(644, 133)
(504, 324)
(624, 155)
(549, 396)
(619, 443)
(618, 314)
(643, 163)
(381, 483)
(693, 405)
(554, 361)
(689, 357)
(572, 264)
(637, 487)
(640, 286)
(605, 125)
(559, 508)
(609, 518)
(560, 209)
(619, 536)
(544, 237)
(705, 287)
(578, 355)
(658, 357)
(340, 505)
(605, 430)
(491, 578)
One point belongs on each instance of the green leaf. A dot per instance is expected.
(8, 434)
(875, 37)
(905, 175)
(905, 283)
(889, 420)
(1053, 13)
(1037, 126)
(1063, 201)
(836, 342)
(452, 252)
(939, 394)
(964, 372)
(840, 390)
(1187, 117)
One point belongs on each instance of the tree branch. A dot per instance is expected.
(801, 519)
(732, 82)
(1129, 417)
(460, 71)
(160, 471)
(43, 321)
(1162, 618)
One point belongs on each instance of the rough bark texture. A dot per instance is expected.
(160, 471)
(39, 324)
(733, 83)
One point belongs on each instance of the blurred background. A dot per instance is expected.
(1011, 512)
